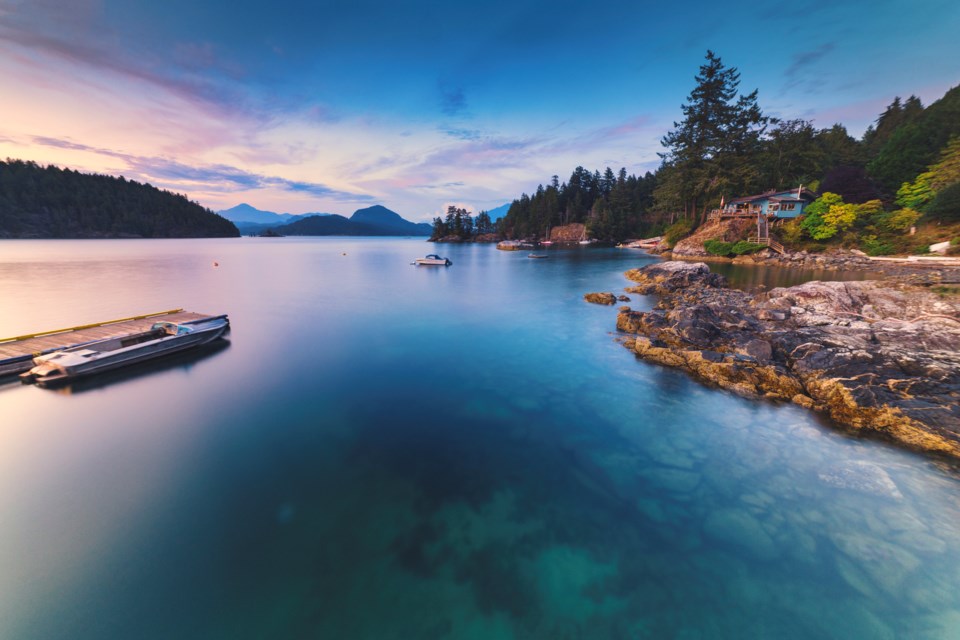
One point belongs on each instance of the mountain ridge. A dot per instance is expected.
(376, 220)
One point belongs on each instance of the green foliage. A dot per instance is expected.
(49, 202)
(916, 194)
(679, 229)
(815, 222)
(896, 221)
(822, 204)
(613, 206)
(460, 224)
(711, 151)
(829, 215)
(791, 154)
(915, 143)
(791, 232)
(924, 188)
(874, 246)
(743, 247)
(718, 247)
(894, 116)
(945, 207)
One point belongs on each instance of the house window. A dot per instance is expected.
(788, 206)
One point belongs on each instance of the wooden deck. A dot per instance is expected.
(16, 354)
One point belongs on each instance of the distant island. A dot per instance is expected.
(50, 202)
(370, 221)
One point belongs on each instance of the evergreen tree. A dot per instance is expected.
(710, 150)
(916, 143)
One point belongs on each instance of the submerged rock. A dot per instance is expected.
(864, 477)
(882, 357)
(600, 298)
(739, 528)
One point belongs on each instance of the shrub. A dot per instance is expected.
(899, 220)
(874, 246)
(791, 232)
(679, 229)
(718, 247)
(743, 247)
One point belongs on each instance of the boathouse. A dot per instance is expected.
(772, 204)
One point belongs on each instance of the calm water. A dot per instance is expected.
(389, 451)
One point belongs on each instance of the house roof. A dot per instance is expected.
(782, 195)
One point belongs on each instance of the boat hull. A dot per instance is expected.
(49, 373)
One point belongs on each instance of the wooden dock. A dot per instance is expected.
(16, 354)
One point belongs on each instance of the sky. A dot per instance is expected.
(328, 106)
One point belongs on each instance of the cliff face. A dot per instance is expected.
(725, 230)
(568, 233)
(873, 356)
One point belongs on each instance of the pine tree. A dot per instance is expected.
(711, 149)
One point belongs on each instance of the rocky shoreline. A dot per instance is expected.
(874, 356)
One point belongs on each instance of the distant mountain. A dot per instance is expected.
(49, 202)
(499, 212)
(332, 225)
(252, 221)
(372, 221)
(245, 213)
(383, 219)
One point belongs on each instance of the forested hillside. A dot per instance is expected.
(612, 206)
(49, 202)
(724, 146)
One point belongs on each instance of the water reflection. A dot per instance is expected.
(756, 277)
(392, 452)
(182, 360)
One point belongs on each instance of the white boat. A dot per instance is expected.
(94, 357)
(433, 259)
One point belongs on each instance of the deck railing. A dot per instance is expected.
(770, 242)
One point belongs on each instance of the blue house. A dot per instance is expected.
(772, 204)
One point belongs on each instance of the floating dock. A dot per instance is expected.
(16, 354)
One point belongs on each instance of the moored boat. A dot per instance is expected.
(434, 260)
(536, 255)
(163, 338)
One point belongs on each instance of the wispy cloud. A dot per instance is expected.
(214, 177)
(462, 134)
(453, 101)
(445, 185)
(801, 62)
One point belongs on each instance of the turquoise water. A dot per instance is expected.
(390, 451)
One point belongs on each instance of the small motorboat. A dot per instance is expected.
(433, 259)
(102, 355)
(536, 255)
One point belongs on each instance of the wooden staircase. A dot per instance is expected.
(770, 242)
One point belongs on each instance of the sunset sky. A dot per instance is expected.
(297, 106)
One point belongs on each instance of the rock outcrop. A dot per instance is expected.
(570, 233)
(600, 298)
(726, 230)
(882, 357)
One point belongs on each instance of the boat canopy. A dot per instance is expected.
(172, 328)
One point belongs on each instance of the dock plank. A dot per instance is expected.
(13, 349)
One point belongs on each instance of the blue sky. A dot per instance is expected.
(298, 106)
